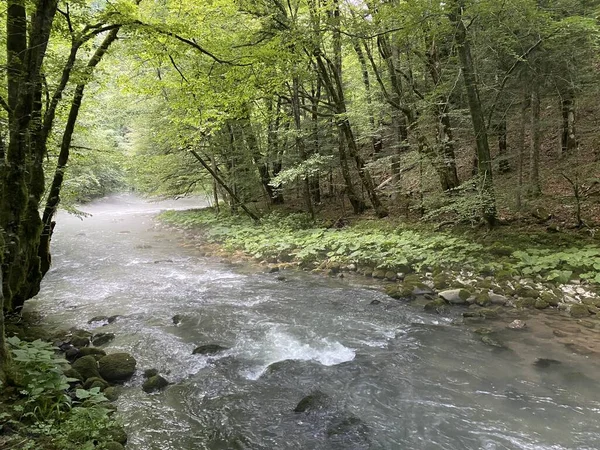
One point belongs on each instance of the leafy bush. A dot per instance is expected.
(46, 408)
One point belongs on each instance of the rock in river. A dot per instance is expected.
(455, 296)
(154, 383)
(314, 401)
(117, 367)
(209, 349)
(87, 367)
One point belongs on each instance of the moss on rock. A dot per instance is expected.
(117, 367)
(87, 367)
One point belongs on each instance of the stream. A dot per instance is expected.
(396, 377)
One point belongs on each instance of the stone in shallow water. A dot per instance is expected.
(209, 349)
(154, 383)
(517, 324)
(315, 401)
(102, 338)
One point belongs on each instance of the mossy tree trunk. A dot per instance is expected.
(22, 174)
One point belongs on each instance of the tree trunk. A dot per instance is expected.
(484, 162)
(273, 144)
(569, 138)
(446, 160)
(300, 146)
(315, 187)
(376, 139)
(23, 177)
(503, 164)
(535, 187)
(521, 140)
(4, 353)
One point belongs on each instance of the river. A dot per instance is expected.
(396, 377)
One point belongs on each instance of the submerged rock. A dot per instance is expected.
(87, 366)
(314, 401)
(544, 363)
(347, 425)
(117, 367)
(209, 349)
(177, 318)
(154, 383)
(98, 319)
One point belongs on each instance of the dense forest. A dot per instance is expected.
(478, 112)
(456, 112)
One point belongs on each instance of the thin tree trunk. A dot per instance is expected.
(376, 139)
(569, 138)
(535, 188)
(300, 146)
(479, 127)
(521, 141)
(315, 187)
(503, 164)
(446, 159)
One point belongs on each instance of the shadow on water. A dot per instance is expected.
(397, 378)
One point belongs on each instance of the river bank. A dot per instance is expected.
(509, 280)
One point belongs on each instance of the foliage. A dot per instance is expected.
(380, 245)
(47, 406)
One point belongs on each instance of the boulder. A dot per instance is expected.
(497, 299)
(154, 383)
(111, 393)
(379, 273)
(102, 338)
(80, 341)
(93, 382)
(117, 367)
(455, 296)
(209, 349)
(72, 353)
(92, 351)
(540, 304)
(391, 276)
(87, 367)
(579, 311)
(314, 401)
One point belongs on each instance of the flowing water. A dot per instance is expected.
(397, 378)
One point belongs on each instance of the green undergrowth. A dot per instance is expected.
(44, 409)
(385, 245)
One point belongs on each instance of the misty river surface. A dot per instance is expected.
(397, 377)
